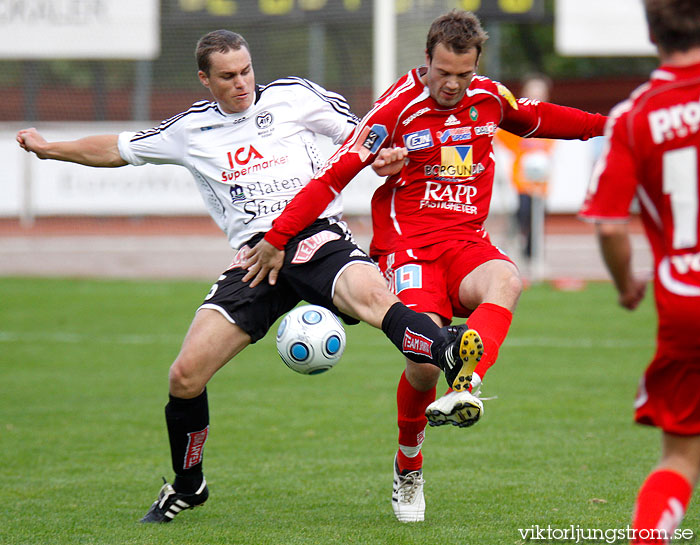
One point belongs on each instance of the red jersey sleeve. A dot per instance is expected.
(302, 211)
(358, 151)
(532, 118)
(613, 182)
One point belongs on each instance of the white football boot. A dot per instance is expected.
(407, 498)
(462, 409)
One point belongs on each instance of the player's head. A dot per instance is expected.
(674, 25)
(458, 31)
(452, 54)
(226, 69)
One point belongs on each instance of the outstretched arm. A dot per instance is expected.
(94, 151)
(546, 120)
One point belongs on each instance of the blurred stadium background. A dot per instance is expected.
(101, 66)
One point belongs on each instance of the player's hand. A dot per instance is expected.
(264, 260)
(634, 293)
(389, 161)
(31, 140)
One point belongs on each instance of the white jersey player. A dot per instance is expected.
(248, 165)
(250, 151)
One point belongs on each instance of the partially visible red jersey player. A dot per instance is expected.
(653, 154)
(432, 135)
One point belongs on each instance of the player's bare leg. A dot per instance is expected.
(209, 344)
(681, 453)
(497, 282)
(361, 291)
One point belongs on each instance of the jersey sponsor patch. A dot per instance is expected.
(415, 343)
(418, 140)
(456, 135)
(456, 162)
(486, 130)
(412, 117)
(195, 448)
(370, 140)
(246, 161)
(243, 156)
(408, 277)
(309, 246)
(677, 121)
(237, 193)
(449, 196)
(240, 258)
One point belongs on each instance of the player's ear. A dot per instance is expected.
(203, 78)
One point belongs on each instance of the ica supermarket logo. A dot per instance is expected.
(243, 156)
(239, 167)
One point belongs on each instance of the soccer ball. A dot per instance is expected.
(310, 340)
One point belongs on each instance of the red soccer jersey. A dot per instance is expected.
(443, 191)
(653, 154)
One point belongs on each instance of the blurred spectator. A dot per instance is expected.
(531, 165)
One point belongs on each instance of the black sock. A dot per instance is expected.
(188, 426)
(416, 335)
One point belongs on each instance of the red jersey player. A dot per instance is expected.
(436, 127)
(653, 154)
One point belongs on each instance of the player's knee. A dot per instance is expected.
(183, 382)
(514, 285)
(373, 302)
(367, 298)
(421, 376)
(508, 286)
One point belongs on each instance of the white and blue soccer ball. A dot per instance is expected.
(310, 340)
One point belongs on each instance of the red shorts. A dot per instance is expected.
(669, 394)
(428, 279)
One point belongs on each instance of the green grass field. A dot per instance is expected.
(295, 459)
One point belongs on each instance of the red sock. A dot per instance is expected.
(661, 504)
(492, 323)
(411, 405)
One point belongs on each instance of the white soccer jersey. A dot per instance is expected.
(249, 165)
